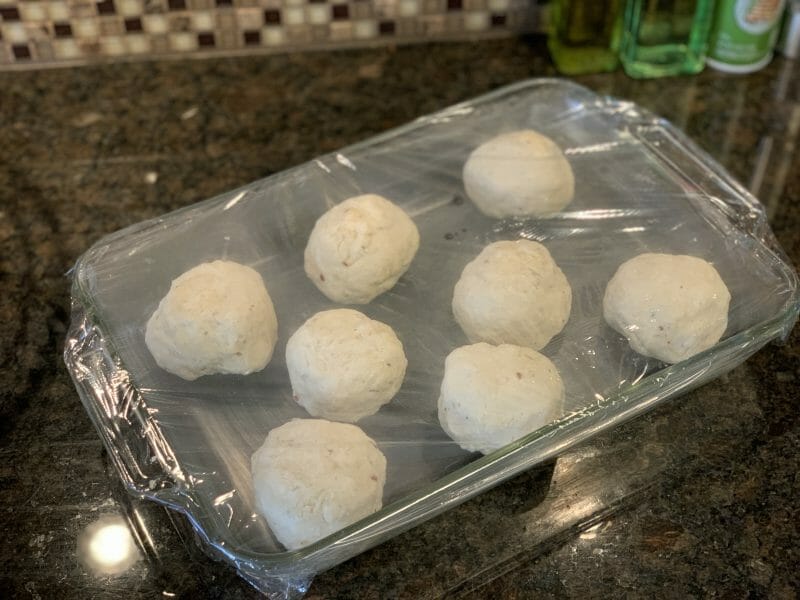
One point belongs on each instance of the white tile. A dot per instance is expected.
(58, 10)
(137, 44)
(155, 23)
(112, 45)
(129, 8)
(14, 32)
(182, 41)
(66, 49)
(32, 11)
(294, 2)
(293, 16)
(272, 36)
(408, 8)
(319, 14)
(202, 20)
(85, 28)
(498, 5)
(365, 29)
(476, 21)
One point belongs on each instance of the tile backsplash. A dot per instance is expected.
(34, 33)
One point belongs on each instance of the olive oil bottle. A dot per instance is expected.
(584, 35)
(665, 37)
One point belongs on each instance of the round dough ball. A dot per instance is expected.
(519, 174)
(493, 395)
(344, 365)
(216, 318)
(312, 477)
(669, 306)
(512, 293)
(360, 248)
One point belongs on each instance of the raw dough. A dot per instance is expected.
(344, 365)
(360, 248)
(493, 395)
(312, 477)
(669, 306)
(512, 293)
(216, 318)
(519, 174)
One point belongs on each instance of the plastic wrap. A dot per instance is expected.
(640, 186)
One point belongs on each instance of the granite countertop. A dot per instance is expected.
(700, 497)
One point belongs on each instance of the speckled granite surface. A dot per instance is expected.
(700, 498)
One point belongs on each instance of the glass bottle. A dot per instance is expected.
(665, 37)
(584, 35)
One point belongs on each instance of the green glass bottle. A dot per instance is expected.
(665, 37)
(584, 35)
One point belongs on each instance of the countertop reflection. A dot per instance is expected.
(700, 497)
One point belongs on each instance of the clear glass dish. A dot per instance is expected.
(641, 186)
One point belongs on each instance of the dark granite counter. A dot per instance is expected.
(700, 498)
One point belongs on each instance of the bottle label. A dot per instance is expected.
(744, 31)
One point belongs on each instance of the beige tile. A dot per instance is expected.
(298, 34)
(319, 33)
(32, 11)
(155, 23)
(179, 22)
(408, 8)
(129, 8)
(476, 21)
(434, 6)
(474, 5)
(14, 32)
(138, 44)
(497, 5)
(273, 36)
(58, 10)
(229, 39)
(86, 28)
(318, 14)
(361, 10)
(113, 45)
(66, 49)
(43, 50)
(202, 20)
(292, 17)
(182, 41)
(406, 27)
(159, 43)
(365, 29)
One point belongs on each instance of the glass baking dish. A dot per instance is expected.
(641, 186)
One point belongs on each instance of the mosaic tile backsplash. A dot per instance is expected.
(34, 33)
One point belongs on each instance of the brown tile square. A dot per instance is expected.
(176, 4)
(133, 25)
(62, 29)
(226, 19)
(406, 27)
(317, 1)
(433, 6)
(319, 33)
(152, 7)
(106, 7)
(340, 12)
(228, 39)
(111, 26)
(205, 39)
(272, 16)
(44, 50)
(251, 38)
(21, 51)
(224, 2)
(10, 13)
(498, 20)
(455, 5)
(300, 34)
(386, 27)
(159, 42)
(361, 10)
(179, 23)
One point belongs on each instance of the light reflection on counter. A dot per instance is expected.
(107, 547)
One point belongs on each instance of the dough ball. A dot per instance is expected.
(519, 174)
(344, 365)
(360, 248)
(669, 306)
(512, 293)
(493, 395)
(312, 477)
(216, 318)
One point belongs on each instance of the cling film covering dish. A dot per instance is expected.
(640, 186)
